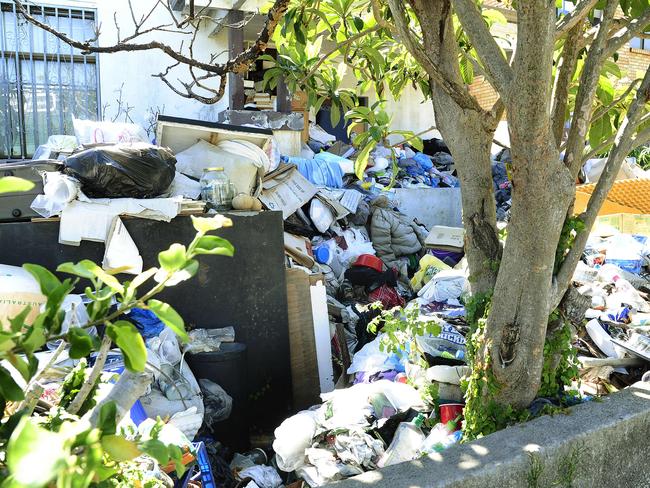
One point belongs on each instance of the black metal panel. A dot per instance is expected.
(247, 291)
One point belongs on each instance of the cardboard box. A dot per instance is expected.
(623, 222)
(446, 238)
(285, 189)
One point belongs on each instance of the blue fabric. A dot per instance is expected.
(423, 160)
(147, 323)
(320, 171)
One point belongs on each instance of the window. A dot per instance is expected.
(43, 81)
(640, 43)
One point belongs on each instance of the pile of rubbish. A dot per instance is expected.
(614, 279)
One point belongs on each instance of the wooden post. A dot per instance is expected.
(284, 97)
(236, 95)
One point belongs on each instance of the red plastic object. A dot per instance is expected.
(370, 261)
(452, 412)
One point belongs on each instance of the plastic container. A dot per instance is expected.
(216, 189)
(452, 412)
(406, 443)
(228, 368)
(370, 261)
(200, 472)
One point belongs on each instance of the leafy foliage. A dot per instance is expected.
(560, 360)
(75, 453)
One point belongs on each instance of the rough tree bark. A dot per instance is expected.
(468, 131)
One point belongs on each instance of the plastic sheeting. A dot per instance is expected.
(136, 170)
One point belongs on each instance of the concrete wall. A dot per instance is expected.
(598, 444)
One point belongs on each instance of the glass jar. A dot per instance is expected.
(216, 189)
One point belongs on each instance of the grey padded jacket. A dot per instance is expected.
(393, 234)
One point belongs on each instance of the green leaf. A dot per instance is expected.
(25, 368)
(169, 317)
(107, 415)
(81, 342)
(358, 23)
(130, 342)
(173, 258)
(206, 224)
(18, 322)
(34, 455)
(8, 387)
(10, 184)
(335, 114)
(362, 159)
(119, 448)
(81, 268)
(214, 245)
(417, 143)
(45, 278)
(156, 449)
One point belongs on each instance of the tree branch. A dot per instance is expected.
(599, 113)
(585, 97)
(631, 29)
(494, 62)
(240, 64)
(88, 386)
(573, 18)
(564, 74)
(622, 145)
(402, 30)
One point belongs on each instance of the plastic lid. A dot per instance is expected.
(218, 168)
(322, 255)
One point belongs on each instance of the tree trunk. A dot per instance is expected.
(542, 189)
(469, 134)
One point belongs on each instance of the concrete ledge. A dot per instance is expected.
(599, 444)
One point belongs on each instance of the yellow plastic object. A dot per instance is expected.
(632, 195)
(429, 267)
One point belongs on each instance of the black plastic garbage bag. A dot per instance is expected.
(136, 170)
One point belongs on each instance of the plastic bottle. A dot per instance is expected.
(406, 443)
(439, 439)
(326, 253)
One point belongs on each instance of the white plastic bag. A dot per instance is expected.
(58, 191)
(448, 284)
(94, 132)
(358, 244)
(321, 215)
(292, 438)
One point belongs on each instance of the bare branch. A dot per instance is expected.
(240, 64)
(573, 18)
(494, 62)
(622, 145)
(585, 97)
(402, 31)
(564, 74)
(631, 29)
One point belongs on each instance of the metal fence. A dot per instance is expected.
(43, 81)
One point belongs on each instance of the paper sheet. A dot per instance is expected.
(91, 220)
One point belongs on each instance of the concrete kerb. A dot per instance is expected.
(597, 444)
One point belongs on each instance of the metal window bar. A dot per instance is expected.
(39, 94)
